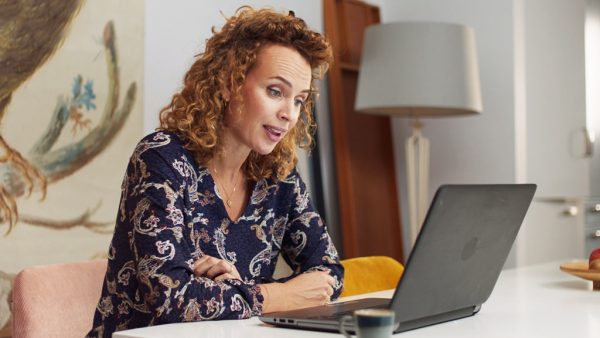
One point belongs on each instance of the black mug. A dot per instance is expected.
(370, 323)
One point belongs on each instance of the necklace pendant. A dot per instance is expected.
(229, 203)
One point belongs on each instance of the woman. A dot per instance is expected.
(212, 198)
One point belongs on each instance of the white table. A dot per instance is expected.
(536, 301)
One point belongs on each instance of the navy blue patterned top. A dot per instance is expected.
(170, 214)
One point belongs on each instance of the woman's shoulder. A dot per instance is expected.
(292, 182)
(163, 143)
(161, 138)
(293, 177)
(160, 149)
(290, 194)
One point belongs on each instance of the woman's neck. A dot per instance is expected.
(231, 181)
(227, 169)
(229, 162)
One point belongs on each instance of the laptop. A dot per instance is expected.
(453, 267)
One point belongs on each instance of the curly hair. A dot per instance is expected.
(196, 113)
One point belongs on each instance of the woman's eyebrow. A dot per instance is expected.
(288, 83)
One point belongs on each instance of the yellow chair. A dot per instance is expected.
(370, 274)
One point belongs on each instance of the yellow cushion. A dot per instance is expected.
(370, 274)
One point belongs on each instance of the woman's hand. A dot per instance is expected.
(305, 290)
(215, 269)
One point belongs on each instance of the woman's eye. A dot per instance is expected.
(274, 92)
(299, 102)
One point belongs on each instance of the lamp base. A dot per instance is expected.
(417, 172)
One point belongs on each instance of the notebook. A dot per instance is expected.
(456, 260)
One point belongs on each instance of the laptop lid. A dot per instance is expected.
(461, 248)
(455, 262)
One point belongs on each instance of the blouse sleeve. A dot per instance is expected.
(307, 245)
(155, 205)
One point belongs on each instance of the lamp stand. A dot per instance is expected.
(417, 169)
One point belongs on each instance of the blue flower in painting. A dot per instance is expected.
(85, 98)
(81, 98)
(89, 95)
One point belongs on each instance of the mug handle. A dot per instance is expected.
(343, 321)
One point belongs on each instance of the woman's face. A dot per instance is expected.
(272, 96)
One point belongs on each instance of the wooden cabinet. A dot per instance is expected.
(364, 158)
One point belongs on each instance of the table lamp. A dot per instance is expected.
(418, 69)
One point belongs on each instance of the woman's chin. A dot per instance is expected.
(263, 150)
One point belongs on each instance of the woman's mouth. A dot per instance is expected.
(274, 134)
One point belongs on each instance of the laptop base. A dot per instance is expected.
(332, 325)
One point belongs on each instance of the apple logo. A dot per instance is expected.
(469, 248)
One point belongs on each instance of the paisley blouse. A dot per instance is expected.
(170, 214)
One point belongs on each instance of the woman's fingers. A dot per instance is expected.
(309, 289)
(330, 280)
(203, 264)
(327, 287)
(211, 267)
(220, 268)
(225, 276)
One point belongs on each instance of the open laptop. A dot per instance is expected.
(453, 267)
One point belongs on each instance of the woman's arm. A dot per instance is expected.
(305, 290)
(308, 249)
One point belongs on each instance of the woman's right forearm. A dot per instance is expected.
(305, 290)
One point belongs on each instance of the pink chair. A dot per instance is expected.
(56, 300)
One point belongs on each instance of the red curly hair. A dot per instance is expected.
(196, 113)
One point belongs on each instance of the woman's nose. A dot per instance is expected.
(289, 111)
(284, 115)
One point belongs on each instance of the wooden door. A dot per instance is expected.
(364, 158)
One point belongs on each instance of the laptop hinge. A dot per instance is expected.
(439, 318)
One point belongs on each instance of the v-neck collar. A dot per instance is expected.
(221, 202)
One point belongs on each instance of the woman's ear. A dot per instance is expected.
(226, 93)
(226, 90)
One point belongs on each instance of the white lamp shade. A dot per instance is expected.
(419, 69)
